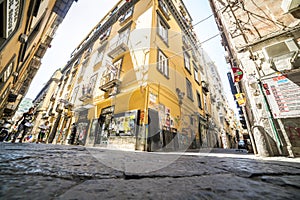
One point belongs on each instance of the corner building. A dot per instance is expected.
(135, 82)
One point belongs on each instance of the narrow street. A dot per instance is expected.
(40, 171)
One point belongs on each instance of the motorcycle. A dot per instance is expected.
(5, 133)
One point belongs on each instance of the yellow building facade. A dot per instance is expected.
(27, 29)
(135, 82)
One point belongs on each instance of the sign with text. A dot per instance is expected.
(283, 97)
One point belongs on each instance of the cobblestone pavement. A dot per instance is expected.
(40, 171)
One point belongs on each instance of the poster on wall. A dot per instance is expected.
(93, 131)
(283, 97)
(82, 129)
(125, 124)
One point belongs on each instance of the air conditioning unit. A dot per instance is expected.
(282, 55)
(290, 5)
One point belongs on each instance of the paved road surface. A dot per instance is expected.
(40, 171)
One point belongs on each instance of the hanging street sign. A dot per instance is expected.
(237, 74)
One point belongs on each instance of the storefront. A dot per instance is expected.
(82, 128)
(117, 130)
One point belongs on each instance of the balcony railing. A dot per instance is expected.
(204, 86)
(85, 97)
(48, 40)
(35, 62)
(109, 80)
(41, 51)
(117, 49)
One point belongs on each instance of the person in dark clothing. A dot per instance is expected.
(25, 125)
(73, 133)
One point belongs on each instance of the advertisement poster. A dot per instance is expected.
(93, 131)
(283, 97)
(124, 124)
(82, 129)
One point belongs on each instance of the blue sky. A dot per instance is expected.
(84, 15)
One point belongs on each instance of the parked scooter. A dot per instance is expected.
(5, 132)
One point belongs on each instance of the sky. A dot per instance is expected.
(84, 15)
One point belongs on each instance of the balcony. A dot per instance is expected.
(35, 62)
(117, 49)
(48, 40)
(87, 93)
(12, 97)
(41, 51)
(204, 86)
(85, 97)
(109, 81)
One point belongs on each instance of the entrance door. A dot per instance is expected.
(104, 126)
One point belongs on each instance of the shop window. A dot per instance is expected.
(189, 90)
(162, 64)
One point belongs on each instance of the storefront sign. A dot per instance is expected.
(152, 99)
(12, 15)
(241, 99)
(283, 97)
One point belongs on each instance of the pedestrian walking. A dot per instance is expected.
(44, 128)
(73, 133)
(25, 125)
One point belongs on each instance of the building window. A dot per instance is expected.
(162, 29)
(124, 35)
(117, 66)
(126, 15)
(100, 55)
(76, 62)
(105, 35)
(6, 73)
(162, 64)
(191, 120)
(11, 12)
(74, 95)
(189, 90)
(187, 65)
(199, 100)
(83, 68)
(196, 74)
(164, 8)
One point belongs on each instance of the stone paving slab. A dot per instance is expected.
(32, 187)
(40, 171)
(204, 187)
